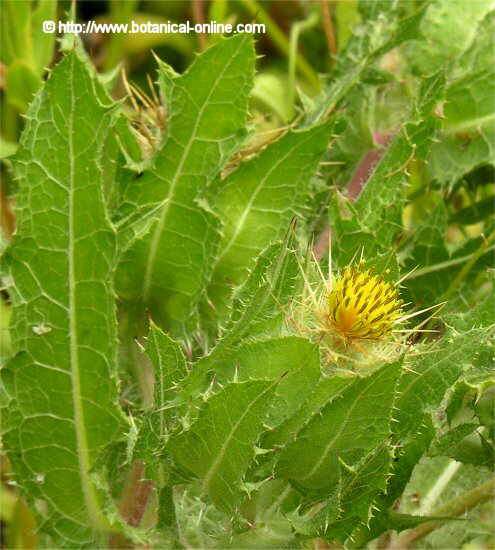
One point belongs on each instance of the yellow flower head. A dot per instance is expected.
(362, 306)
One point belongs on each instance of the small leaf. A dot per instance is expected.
(220, 445)
(347, 429)
(295, 359)
(469, 450)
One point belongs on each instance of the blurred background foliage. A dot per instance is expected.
(309, 46)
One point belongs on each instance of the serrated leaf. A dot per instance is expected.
(257, 311)
(374, 219)
(219, 446)
(408, 456)
(359, 489)
(470, 123)
(448, 28)
(169, 266)
(257, 202)
(423, 387)
(258, 305)
(420, 392)
(63, 411)
(457, 444)
(170, 368)
(346, 430)
(295, 359)
(383, 32)
(325, 391)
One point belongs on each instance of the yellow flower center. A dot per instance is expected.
(362, 306)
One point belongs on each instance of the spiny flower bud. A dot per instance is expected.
(362, 305)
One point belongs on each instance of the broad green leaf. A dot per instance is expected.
(421, 390)
(63, 412)
(359, 488)
(258, 305)
(220, 445)
(351, 503)
(469, 111)
(432, 373)
(257, 202)
(168, 267)
(406, 459)
(346, 430)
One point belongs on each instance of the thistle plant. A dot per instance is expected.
(176, 375)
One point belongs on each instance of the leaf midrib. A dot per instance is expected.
(90, 496)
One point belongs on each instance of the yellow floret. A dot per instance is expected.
(362, 306)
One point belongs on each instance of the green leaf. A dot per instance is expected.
(170, 368)
(432, 373)
(257, 311)
(325, 391)
(295, 359)
(257, 202)
(448, 28)
(167, 268)
(359, 488)
(169, 365)
(258, 305)
(457, 444)
(220, 445)
(383, 31)
(63, 412)
(421, 390)
(346, 430)
(469, 111)
(374, 219)
(409, 454)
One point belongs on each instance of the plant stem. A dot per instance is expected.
(296, 30)
(280, 40)
(328, 26)
(448, 263)
(455, 507)
(133, 501)
(199, 17)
